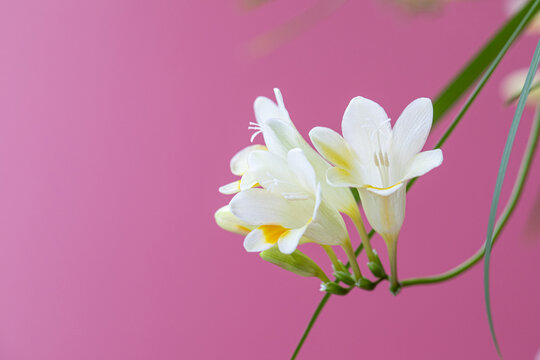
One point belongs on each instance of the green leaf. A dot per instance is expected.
(474, 69)
(498, 185)
(297, 262)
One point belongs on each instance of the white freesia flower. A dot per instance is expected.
(379, 160)
(513, 85)
(239, 167)
(281, 136)
(228, 221)
(288, 207)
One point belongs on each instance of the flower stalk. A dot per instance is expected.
(347, 247)
(374, 264)
(333, 257)
(391, 244)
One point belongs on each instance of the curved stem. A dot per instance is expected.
(310, 324)
(503, 219)
(359, 224)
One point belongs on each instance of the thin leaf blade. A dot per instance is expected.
(498, 187)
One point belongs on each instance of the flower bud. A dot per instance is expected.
(376, 269)
(295, 262)
(333, 288)
(365, 284)
(345, 277)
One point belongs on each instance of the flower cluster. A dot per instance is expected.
(289, 194)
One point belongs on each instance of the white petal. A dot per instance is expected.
(303, 170)
(288, 242)
(318, 201)
(332, 146)
(248, 181)
(342, 178)
(255, 241)
(230, 188)
(272, 173)
(384, 213)
(366, 128)
(227, 221)
(260, 207)
(423, 162)
(281, 105)
(327, 226)
(280, 136)
(239, 162)
(267, 109)
(410, 133)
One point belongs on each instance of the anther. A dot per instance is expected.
(376, 160)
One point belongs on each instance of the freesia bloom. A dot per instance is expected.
(513, 85)
(288, 207)
(379, 160)
(281, 136)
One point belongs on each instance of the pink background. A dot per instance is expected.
(117, 122)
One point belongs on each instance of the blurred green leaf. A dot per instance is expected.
(457, 88)
(499, 184)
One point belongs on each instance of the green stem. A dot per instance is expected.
(503, 219)
(347, 247)
(333, 258)
(359, 224)
(391, 243)
(310, 325)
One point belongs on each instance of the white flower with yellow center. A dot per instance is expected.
(379, 160)
(288, 207)
(281, 136)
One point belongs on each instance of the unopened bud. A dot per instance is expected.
(365, 284)
(296, 262)
(345, 277)
(333, 288)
